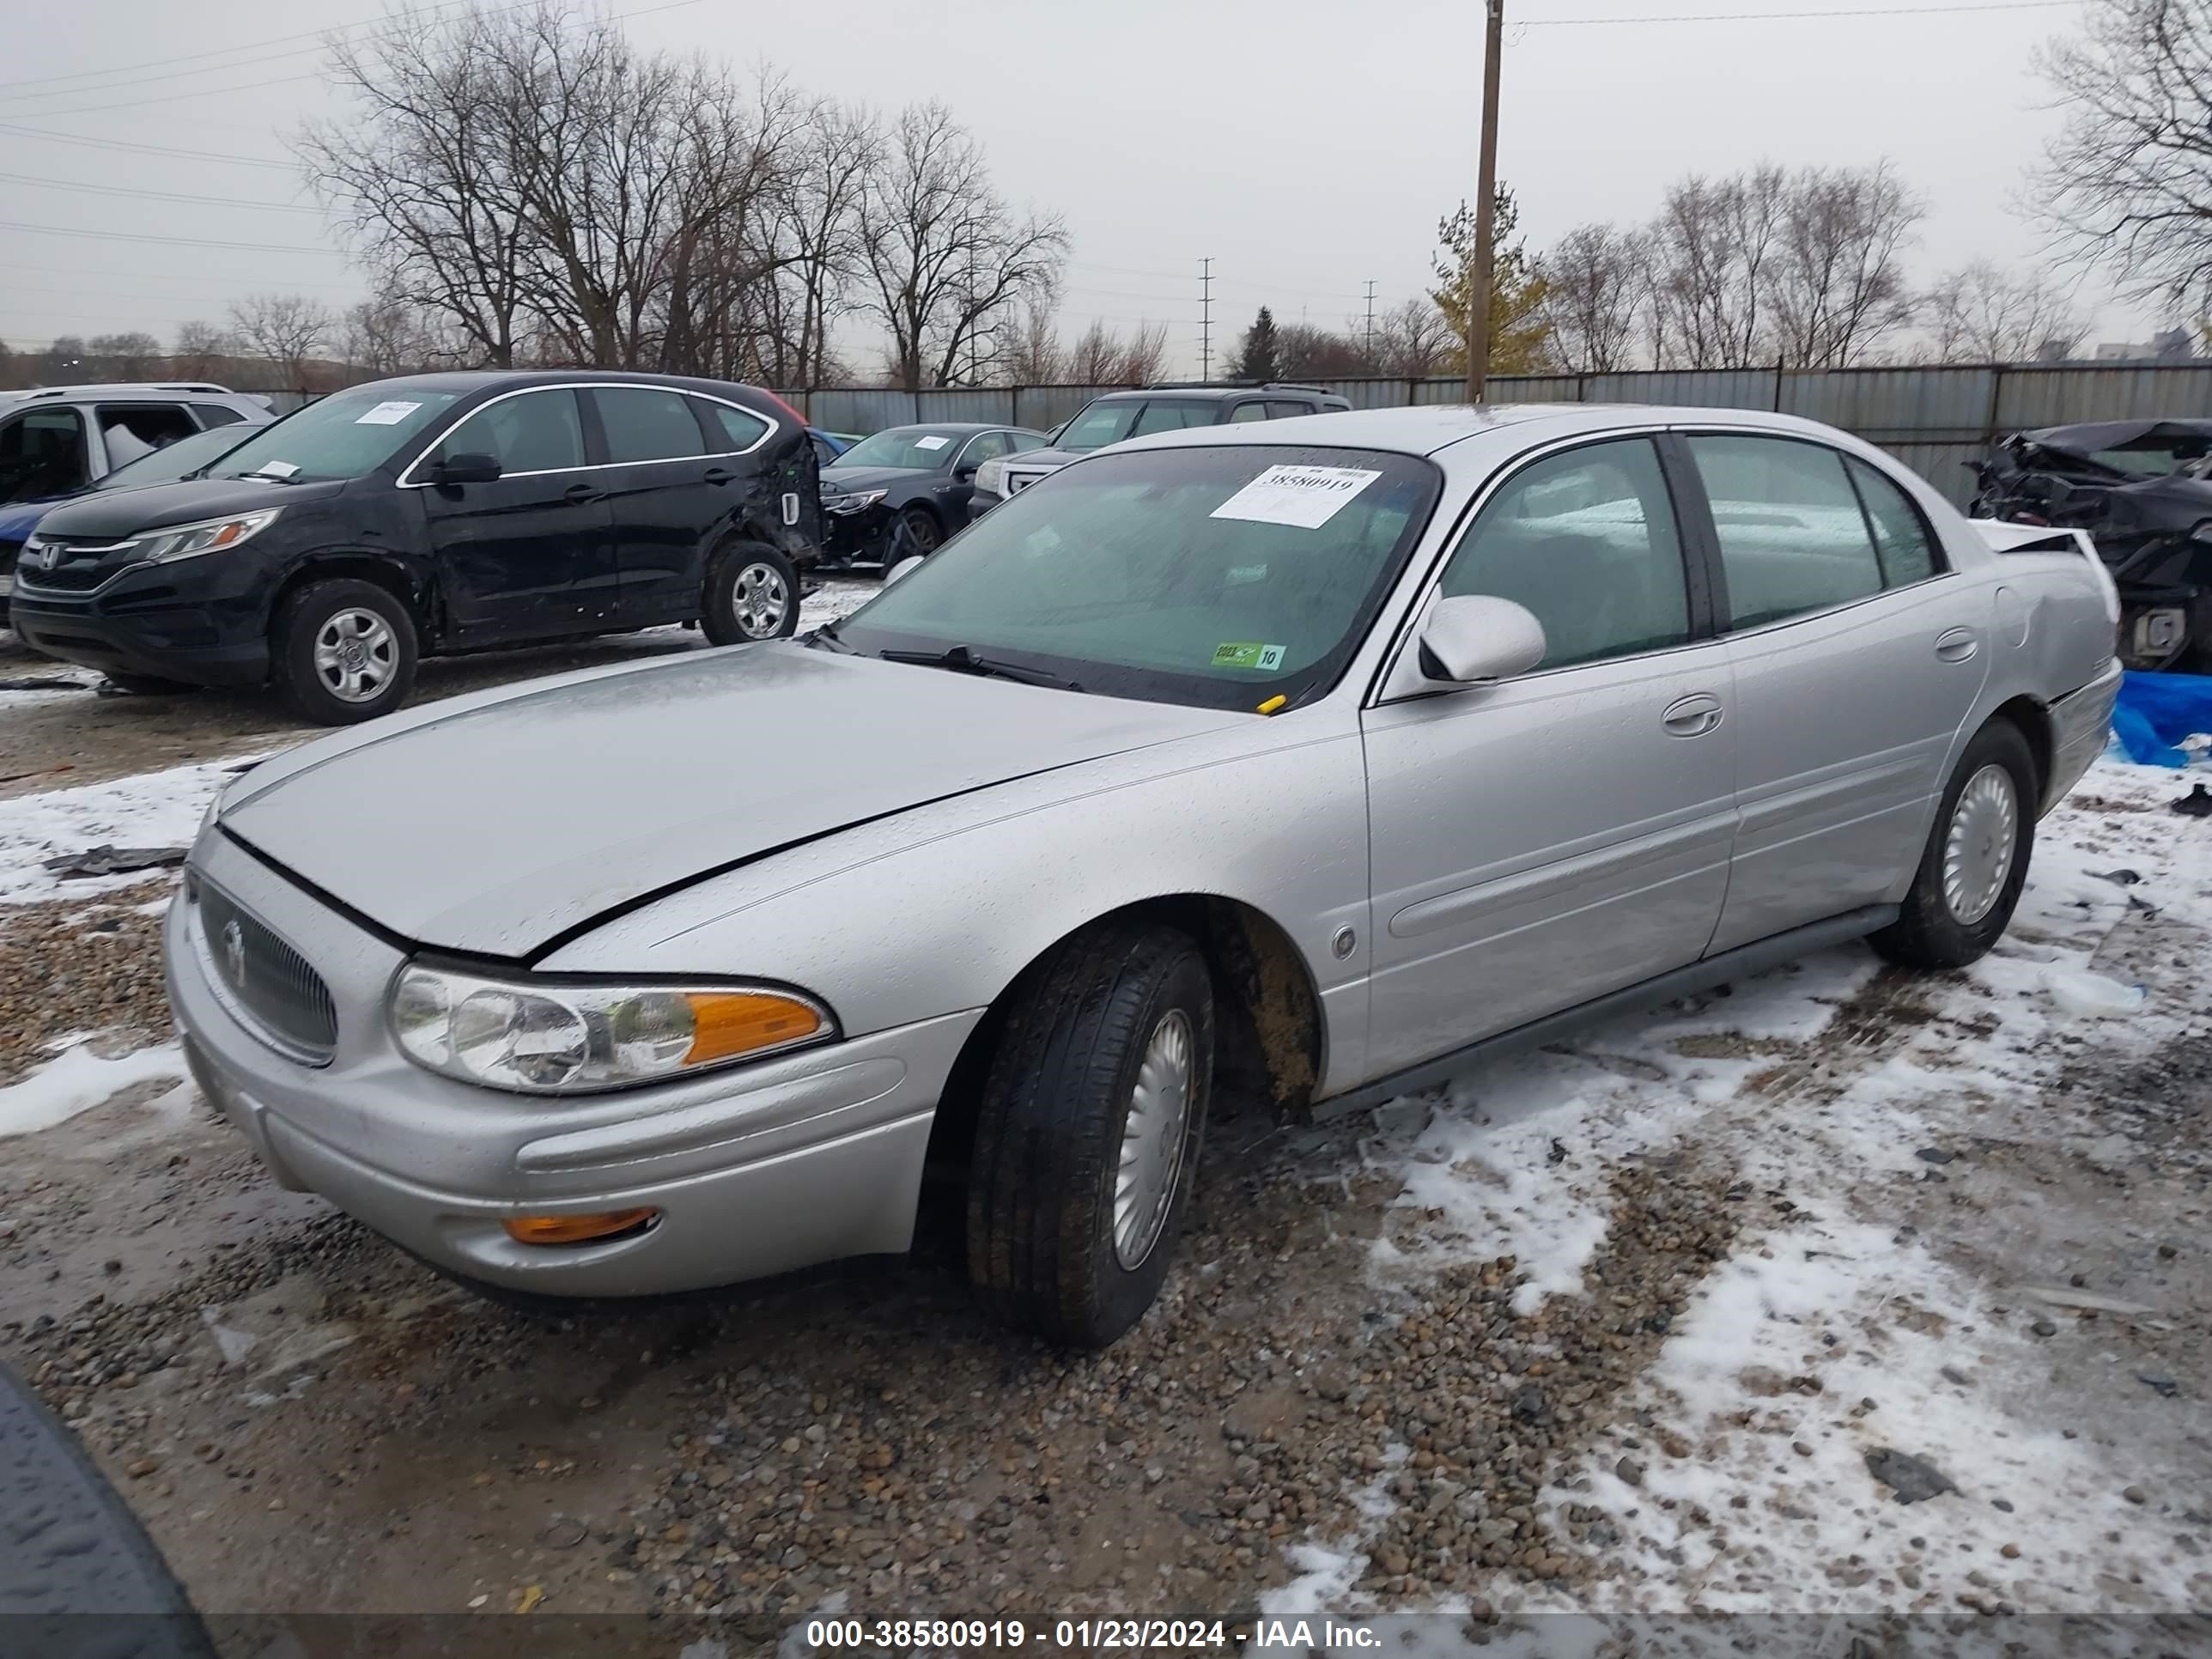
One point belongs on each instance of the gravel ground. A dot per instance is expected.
(1655, 1322)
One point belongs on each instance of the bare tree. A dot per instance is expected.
(1979, 314)
(1034, 355)
(1307, 352)
(1596, 287)
(2126, 186)
(200, 351)
(813, 224)
(287, 329)
(386, 335)
(1713, 250)
(948, 263)
(1839, 275)
(1096, 357)
(1145, 354)
(131, 356)
(1414, 338)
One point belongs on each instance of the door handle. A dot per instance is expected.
(1692, 716)
(720, 475)
(1956, 644)
(583, 494)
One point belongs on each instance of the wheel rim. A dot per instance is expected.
(921, 529)
(356, 654)
(1152, 1137)
(1979, 846)
(761, 601)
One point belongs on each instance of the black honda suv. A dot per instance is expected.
(435, 514)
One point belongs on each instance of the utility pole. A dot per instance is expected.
(1485, 212)
(1205, 319)
(1370, 325)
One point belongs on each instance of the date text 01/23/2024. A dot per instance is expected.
(1087, 1634)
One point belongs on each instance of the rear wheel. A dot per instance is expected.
(345, 651)
(752, 594)
(1087, 1136)
(1975, 861)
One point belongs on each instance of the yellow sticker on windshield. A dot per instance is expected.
(1235, 655)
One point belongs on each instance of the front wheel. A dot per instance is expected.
(752, 594)
(1975, 861)
(1087, 1136)
(345, 651)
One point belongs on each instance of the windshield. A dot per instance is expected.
(1109, 422)
(913, 447)
(1224, 576)
(341, 436)
(171, 461)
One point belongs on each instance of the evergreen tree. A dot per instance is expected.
(1517, 329)
(1259, 355)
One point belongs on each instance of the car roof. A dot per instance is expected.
(1426, 430)
(465, 381)
(966, 426)
(109, 389)
(1204, 393)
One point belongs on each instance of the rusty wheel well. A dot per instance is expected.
(1267, 1018)
(2034, 723)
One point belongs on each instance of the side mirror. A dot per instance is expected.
(964, 475)
(466, 469)
(903, 567)
(1474, 637)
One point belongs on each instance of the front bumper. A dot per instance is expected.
(145, 626)
(2082, 724)
(762, 1170)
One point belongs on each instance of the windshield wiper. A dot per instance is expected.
(962, 660)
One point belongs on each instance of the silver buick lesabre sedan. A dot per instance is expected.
(1304, 759)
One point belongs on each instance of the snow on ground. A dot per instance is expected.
(1766, 1501)
(75, 1081)
(153, 809)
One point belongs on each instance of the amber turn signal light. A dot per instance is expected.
(576, 1229)
(729, 1022)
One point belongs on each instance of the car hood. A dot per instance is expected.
(843, 480)
(118, 513)
(1049, 457)
(508, 825)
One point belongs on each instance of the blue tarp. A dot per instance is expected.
(2157, 711)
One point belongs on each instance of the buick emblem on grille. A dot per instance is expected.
(233, 951)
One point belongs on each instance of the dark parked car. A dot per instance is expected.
(1120, 415)
(438, 513)
(914, 479)
(2142, 490)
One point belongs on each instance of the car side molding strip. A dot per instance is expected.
(1755, 958)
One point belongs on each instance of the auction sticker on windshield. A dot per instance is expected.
(1304, 497)
(932, 442)
(1235, 655)
(386, 414)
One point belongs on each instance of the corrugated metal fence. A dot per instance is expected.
(1932, 419)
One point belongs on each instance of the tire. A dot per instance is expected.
(345, 651)
(146, 685)
(1948, 924)
(1108, 1010)
(924, 535)
(752, 594)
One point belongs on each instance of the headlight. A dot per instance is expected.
(546, 1039)
(988, 474)
(855, 502)
(186, 541)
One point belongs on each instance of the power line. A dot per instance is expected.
(156, 195)
(1793, 16)
(127, 275)
(176, 97)
(127, 145)
(174, 241)
(316, 35)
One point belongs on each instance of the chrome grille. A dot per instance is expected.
(266, 982)
(60, 564)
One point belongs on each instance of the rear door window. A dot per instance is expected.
(1792, 537)
(42, 454)
(1284, 409)
(534, 432)
(217, 415)
(1255, 411)
(1901, 536)
(130, 430)
(644, 423)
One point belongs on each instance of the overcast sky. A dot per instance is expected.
(1308, 146)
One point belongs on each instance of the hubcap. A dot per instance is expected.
(1978, 852)
(1152, 1141)
(761, 601)
(356, 654)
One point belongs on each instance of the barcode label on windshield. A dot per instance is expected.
(1305, 497)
